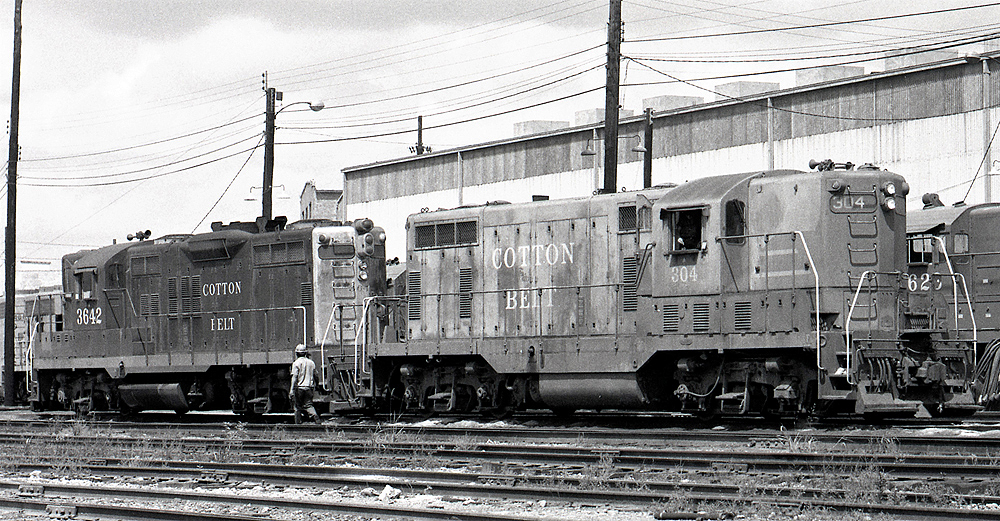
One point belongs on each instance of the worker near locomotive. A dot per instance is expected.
(301, 387)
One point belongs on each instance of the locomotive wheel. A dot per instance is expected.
(504, 408)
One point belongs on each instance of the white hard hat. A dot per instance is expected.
(301, 348)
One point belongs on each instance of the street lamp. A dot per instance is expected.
(589, 151)
(272, 96)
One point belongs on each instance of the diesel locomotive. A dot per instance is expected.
(962, 239)
(765, 293)
(209, 321)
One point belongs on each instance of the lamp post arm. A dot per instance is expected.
(269, 127)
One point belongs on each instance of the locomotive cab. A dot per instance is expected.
(775, 293)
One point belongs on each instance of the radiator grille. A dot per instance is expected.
(630, 299)
(413, 295)
(671, 318)
(172, 297)
(465, 293)
(306, 290)
(743, 312)
(700, 316)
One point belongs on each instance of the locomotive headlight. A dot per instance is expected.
(890, 203)
(889, 188)
(363, 276)
(369, 238)
(364, 266)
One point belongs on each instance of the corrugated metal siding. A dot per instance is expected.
(824, 121)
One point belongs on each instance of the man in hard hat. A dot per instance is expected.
(300, 393)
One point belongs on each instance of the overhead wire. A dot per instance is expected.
(793, 69)
(135, 171)
(792, 56)
(231, 181)
(817, 25)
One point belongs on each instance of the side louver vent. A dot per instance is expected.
(743, 315)
(413, 295)
(671, 318)
(701, 316)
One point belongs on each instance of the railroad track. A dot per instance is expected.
(975, 439)
(205, 479)
(589, 466)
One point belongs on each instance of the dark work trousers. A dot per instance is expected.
(304, 404)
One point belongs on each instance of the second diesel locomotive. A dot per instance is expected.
(771, 293)
(210, 321)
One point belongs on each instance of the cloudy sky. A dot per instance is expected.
(140, 115)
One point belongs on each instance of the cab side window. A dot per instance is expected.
(85, 284)
(686, 230)
(921, 251)
(736, 223)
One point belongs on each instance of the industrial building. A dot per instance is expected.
(933, 123)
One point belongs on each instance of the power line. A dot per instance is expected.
(146, 178)
(151, 143)
(814, 26)
(790, 69)
(130, 172)
(465, 107)
(231, 181)
(791, 56)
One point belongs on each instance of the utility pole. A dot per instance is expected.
(611, 98)
(419, 148)
(647, 156)
(271, 95)
(10, 259)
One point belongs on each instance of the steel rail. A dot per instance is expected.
(147, 494)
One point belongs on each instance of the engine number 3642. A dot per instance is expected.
(88, 316)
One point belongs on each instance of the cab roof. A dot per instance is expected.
(698, 192)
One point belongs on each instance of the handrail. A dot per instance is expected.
(805, 246)
(322, 344)
(847, 321)
(361, 351)
(954, 285)
(29, 353)
(646, 255)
